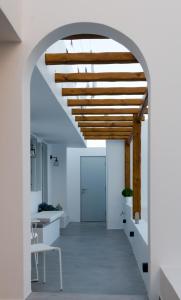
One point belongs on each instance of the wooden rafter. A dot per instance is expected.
(104, 91)
(107, 133)
(105, 118)
(136, 168)
(104, 102)
(105, 124)
(109, 129)
(89, 58)
(104, 111)
(84, 36)
(105, 137)
(140, 115)
(143, 108)
(102, 77)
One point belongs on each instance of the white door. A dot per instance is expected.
(93, 188)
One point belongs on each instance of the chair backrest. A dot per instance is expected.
(34, 233)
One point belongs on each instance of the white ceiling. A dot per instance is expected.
(49, 120)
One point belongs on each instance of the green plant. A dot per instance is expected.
(127, 192)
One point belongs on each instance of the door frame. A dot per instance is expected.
(105, 186)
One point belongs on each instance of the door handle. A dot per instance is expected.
(83, 190)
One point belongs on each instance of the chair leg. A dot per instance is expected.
(36, 269)
(60, 266)
(36, 266)
(44, 267)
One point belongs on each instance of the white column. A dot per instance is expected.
(14, 177)
(114, 182)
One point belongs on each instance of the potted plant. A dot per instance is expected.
(128, 193)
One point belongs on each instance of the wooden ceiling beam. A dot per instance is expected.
(105, 118)
(104, 91)
(106, 133)
(107, 129)
(104, 111)
(89, 58)
(101, 77)
(104, 102)
(84, 36)
(136, 169)
(143, 108)
(105, 124)
(140, 115)
(106, 137)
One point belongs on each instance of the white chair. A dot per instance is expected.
(37, 248)
(34, 234)
(34, 240)
(43, 248)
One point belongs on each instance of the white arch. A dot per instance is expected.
(72, 29)
(87, 28)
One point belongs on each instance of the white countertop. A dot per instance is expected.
(48, 216)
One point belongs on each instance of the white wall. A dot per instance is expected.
(114, 183)
(144, 170)
(73, 178)
(139, 242)
(36, 199)
(13, 11)
(157, 40)
(57, 176)
(170, 283)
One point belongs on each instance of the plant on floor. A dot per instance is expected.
(127, 192)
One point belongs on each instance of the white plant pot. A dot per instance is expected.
(129, 201)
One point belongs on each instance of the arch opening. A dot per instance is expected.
(85, 28)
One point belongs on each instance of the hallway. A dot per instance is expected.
(95, 261)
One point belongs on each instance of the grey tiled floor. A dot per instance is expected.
(96, 261)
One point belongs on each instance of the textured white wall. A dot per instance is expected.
(114, 183)
(73, 178)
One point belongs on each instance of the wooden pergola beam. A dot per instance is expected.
(84, 36)
(104, 91)
(104, 111)
(140, 115)
(105, 137)
(104, 102)
(127, 165)
(107, 129)
(136, 168)
(105, 118)
(143, 108)
(101, 77)
(105, 124)
(107, 133)
(89, 58)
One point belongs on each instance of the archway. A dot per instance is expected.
(79, 28)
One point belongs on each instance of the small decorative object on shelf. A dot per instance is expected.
(127, 192)
(47, 207)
